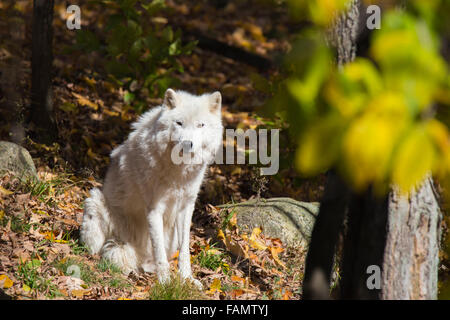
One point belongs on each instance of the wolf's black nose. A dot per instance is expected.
(187, 145)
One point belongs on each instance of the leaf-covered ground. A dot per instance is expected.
(40, 219)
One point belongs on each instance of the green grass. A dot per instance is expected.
(92, 276)
(212, 259)
(18, 224)
(175, 289)
(228, 217)
(46, 190)
(29, 273)
(86, 274)
(105, 265)
(116, 280)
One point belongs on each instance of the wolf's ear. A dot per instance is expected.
(215, 102)
(170, 98)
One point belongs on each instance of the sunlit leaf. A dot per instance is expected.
(413, 160)
(216, 286)
(319, 146)
(5, 282)
(5, 192)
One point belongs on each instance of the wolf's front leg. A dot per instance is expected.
(156, 229)
(184, 258)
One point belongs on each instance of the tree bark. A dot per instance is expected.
(411, 258)
(41, 65)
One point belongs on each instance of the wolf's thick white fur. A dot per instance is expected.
(142, 215)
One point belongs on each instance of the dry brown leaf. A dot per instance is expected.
(84, 101)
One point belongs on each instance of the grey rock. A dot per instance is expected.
(290, 220)
(16, 160)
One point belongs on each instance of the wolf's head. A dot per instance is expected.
(195, 125)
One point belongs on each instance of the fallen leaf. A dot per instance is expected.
(237, 279)
(274, 251)
(287, 295)
(80, 293)
(5, 192)
(254, 242)
(216, 286)
(5, 282)
(84, 101)
(235, 248)
(236, 293)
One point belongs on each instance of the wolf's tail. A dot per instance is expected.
(96, 233)
(96, 222)
(122, 255)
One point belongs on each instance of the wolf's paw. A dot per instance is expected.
(163, 275)
(197, 283)
(148, 267)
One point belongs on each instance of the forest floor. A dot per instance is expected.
(40, 219)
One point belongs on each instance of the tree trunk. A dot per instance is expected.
(364, 245)
(324, 237)
(41, 65)
(334, 205)
(411, 258)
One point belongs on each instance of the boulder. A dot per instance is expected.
(16, 160)
(290, 220)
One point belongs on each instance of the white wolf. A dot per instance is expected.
(142, 216)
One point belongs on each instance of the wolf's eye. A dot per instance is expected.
(180, 123)
(200, 125)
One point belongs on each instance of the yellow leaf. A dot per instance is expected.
(60, 241)
(439, 134)
(369, 142)
(26, 288)
(237, 279)
(84, 101)
(233, 221)
(319, 146)
(414, 160)
(80, 293)
(324, 11)
(274, 251)
(91, 82)
(122, 298)
(213, 251)
(254, 242)
(255, 233)
(2, 214)
(215, 286)
(235, 248)
(175, 255)
(4, 191)
(5, 282)
(221, 235)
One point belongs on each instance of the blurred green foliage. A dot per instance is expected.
(377, 120)
(140, 49)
